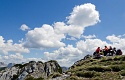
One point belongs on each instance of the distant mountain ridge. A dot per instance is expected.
(10, 65)
(2, 64)
(64, 69)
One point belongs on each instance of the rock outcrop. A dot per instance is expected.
(31, 69)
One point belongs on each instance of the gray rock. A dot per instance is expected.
(8, 73)
(64, 76)
(31, 69)
(23, 75)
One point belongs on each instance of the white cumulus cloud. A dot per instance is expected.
(24, 27)
(84, 15)
(43, 37)
(89, 36)
(9, 46)
(13, 58)
(117, 41)
(71, 30)
(17, 58)
(88, 46)
(49, 36)
(113, 38)
(64, 55)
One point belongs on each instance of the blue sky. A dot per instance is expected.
(25, 25)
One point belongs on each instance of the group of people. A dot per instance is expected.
(107, 51)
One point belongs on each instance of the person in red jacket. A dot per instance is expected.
(96, 54)
(97, 50)
(105, 50)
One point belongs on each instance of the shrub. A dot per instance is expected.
(32, 61)
(60, 69)
(56, 75)
(103, 59)
(123, 58)
(72, 78)
(122, 73)
(117, 62)
(106, 59)
(83, 62)
(97, 78)
(122, 66)
(15, 77)
(2, 68)
(115, 68)
(98, 68)
(39, 78)
(92, 60)
(40, 62)
(117, 58)
(19, 65)
(86, 74)
(31, 78)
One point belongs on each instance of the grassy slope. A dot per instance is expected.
(106, 68)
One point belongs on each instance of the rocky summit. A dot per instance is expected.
(88, 68)
(31, 71)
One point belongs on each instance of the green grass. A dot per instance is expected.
(73, 78)
(31, 78)
(122, 73)
(99, 68)
(106, 68)
(115, 68)
(86, 74)
(56, 75)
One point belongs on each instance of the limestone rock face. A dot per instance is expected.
(8, 73)
(31, 69)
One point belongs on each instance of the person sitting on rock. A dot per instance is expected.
(97, 50)
(114, 50)
(96, 53)
(119, 52)
(110, 51)
(105, 50)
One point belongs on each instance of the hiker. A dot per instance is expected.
(119, 52)
(111, 52)
(97, 50)
(96, 53)
(105, 50)
(114, 50)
